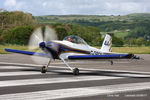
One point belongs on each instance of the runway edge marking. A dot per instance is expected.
(74, 92)
(15, 67)
(23, 82)
(4, 74)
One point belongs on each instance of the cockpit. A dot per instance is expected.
(75, 39)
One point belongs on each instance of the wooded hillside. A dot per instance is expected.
(129, 30)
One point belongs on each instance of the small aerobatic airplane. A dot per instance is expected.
(71, 48)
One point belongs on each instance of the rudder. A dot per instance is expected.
(107, 43)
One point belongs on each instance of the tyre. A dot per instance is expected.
(75, 71)
(44, 69)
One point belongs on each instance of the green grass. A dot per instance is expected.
(121, 34)
(136, 50)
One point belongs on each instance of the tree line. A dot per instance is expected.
(16, 28)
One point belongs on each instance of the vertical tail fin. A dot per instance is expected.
(107, 43)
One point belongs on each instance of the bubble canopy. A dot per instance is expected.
(75, 39)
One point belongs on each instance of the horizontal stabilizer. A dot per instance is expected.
(25, 52)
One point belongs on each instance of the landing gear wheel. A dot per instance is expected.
(75, 71)
(44, 69)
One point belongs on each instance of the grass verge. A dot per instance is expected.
(135, 50)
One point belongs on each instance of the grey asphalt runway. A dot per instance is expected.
(21, 79)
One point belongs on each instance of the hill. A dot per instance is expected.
(139, 15)
(103, 22)
(133, 28)
(91, 18)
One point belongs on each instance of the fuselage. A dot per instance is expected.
(65, 48)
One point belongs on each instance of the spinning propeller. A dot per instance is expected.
(38, 40)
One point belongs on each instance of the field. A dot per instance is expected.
(120, 34)
(136, 50)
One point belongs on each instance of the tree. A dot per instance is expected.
(1, 31)
(18, 35)
(61, 31)
(147, 43)
(139, 41)
(138, 32)
(16, 18)
(1, 39)
(94, 36)
(90, 34)
(131, 41)
(117, 41)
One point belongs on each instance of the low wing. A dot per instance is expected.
(26, 52)
(107, 56)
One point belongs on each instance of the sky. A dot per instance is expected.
(83, 7)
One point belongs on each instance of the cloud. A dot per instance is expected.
(124, 7)
(13, 5)
(90, 7)
(44, 4)
(9, 3)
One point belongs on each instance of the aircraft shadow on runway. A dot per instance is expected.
(95, 72)
(87, 72)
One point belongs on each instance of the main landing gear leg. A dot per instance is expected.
(44, 68)
(75, 71)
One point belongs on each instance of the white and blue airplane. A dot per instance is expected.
(71, 48)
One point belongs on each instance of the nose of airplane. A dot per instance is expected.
(42, 44)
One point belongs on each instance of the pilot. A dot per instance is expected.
(70, 39)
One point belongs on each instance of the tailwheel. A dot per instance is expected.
(75, 71)
(44, 69)
(111, 62)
